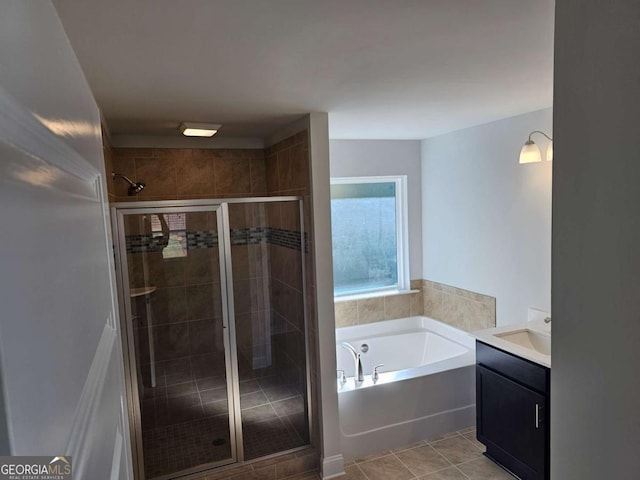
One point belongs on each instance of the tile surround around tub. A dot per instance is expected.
(389, 307)
(463, 309)
(466, 310)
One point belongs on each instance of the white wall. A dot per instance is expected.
(332, 461)
(486, 220)
(60, 355)
(353, 158)
(595, 387)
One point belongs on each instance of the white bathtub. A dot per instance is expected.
(426, 387)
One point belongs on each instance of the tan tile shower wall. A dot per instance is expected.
(288, 309)
(287, 166)
(287, 173)
(186, 306)
(466, 310)
(251, 279)
(281, 169)
(177, 173)
(390, 307)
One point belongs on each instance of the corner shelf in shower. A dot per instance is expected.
(139, 292)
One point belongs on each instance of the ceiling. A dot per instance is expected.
(383, 69)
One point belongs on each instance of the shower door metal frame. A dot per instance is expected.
(220, 206)
(127, 328)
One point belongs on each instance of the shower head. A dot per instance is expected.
(134, 187)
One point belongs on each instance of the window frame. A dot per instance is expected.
(402, 235)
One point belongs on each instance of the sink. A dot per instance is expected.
(530, 339)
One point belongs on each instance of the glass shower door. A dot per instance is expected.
(266, 257)
(177, 334)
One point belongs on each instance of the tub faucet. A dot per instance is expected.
(547, 320)
(358, 374)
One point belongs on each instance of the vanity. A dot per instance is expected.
(512, 397)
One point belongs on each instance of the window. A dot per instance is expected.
(369, 235)
(171, 228)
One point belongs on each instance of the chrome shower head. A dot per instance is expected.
(134, 187)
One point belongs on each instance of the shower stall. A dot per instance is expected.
(212, 302)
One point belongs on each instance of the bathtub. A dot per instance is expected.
(426, 387)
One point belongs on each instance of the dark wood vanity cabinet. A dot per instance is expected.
(512, 402)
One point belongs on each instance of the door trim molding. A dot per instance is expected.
(80, 443)
(26, 132)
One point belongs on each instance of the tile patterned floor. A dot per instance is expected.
(190, 426)
(185, 445)
(455, 456)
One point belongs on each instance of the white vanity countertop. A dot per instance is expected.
(495, 338)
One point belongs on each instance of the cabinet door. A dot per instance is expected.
(511, 418)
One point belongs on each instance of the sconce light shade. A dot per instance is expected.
(530, 153)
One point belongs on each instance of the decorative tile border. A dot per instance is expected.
(155, 242)
(145, 243)
(202, 239)
(285, 238)
(250, 236)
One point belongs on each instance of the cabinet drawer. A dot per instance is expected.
(522, 371)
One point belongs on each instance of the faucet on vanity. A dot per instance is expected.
(358, 374)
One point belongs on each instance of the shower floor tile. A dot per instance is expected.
(269, 437)
(180, 425)
(186, 445)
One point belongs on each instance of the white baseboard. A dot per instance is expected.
(332, 467)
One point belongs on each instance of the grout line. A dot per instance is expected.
(361, 471)
(196, 382)
(469, 461)
(376, 457)
(470, 442)
(455, 434)
(461, 472)
(442, 456)
(418, 476)
(404, 465)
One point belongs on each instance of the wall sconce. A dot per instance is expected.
(530, 153)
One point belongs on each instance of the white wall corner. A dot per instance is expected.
(332, 467)
(326, 335)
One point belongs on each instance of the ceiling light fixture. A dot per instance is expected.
(189, 129)
(530, 153)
